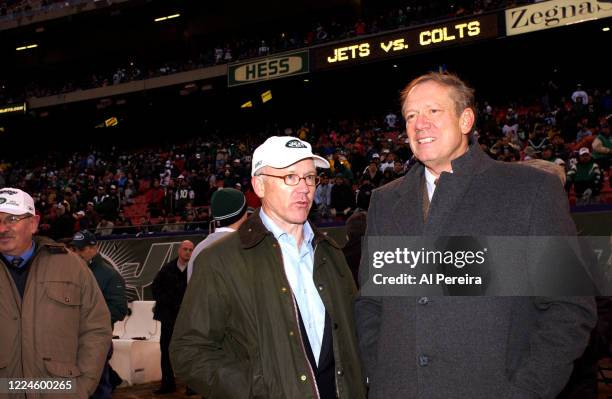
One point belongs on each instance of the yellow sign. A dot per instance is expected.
(111, 122)
(554, 13)
(404, 42)
(14, 109)
(266, 96)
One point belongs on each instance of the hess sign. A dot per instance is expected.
(405, 42)
(268, 68)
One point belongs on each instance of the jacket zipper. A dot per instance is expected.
(297, 320)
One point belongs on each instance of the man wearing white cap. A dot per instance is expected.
(268, 311)
(55, 323)
(585, 175)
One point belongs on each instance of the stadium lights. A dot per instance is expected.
(606, 29)
(167, 17)
(27, 47)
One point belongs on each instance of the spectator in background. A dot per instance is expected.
(128, 193)
(583, 131)
(171, 224)
(322, 198)
(363, 194)
(341, 197)
(360, 27)
(112, 286)
(504, 148)
(229, 211)
(183, 195)
(388, 163)
(579, 95)
(558, 146)
(511, 127)
(123, 225)
(585, 176)
(391, 121)
(537, 138)
(82, 223)
(602, 148)
(168, 290)
(104, 228)
(155, 198)
(64, 223)
(109, 208)
(373, 173)
(398, 169)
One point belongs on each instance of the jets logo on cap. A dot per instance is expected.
(9, 192)
(295, 144)
(78, 237)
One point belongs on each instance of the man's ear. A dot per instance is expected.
(34, 220)
(258, 185)
(466, 120)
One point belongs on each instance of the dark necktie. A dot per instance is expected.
(426, 202)
(16, 262)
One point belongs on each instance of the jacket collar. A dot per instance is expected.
(253, 231)
(408, 208)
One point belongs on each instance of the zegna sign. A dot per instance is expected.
(554, 13)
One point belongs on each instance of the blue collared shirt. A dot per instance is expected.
(25, 256)
(299, 266)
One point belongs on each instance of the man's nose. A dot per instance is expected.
(421, 122)
(302, 186)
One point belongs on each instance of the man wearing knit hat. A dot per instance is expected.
(268, 311)
(54, 321)
(229, 210)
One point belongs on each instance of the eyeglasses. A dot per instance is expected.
(294, 180)
(13, 219)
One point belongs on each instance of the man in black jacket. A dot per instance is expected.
(112, 286)
(168, 289)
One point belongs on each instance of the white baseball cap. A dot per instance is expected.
(584, 150)
(282, 151)
(16, 202)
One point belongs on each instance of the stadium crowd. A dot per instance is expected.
(225, 51)
(168, 189)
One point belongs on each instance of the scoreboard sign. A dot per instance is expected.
(404, 42)
(267, 68)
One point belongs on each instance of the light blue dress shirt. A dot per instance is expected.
(25, 256)
(299, 266)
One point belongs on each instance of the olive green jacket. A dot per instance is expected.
(237, 334)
